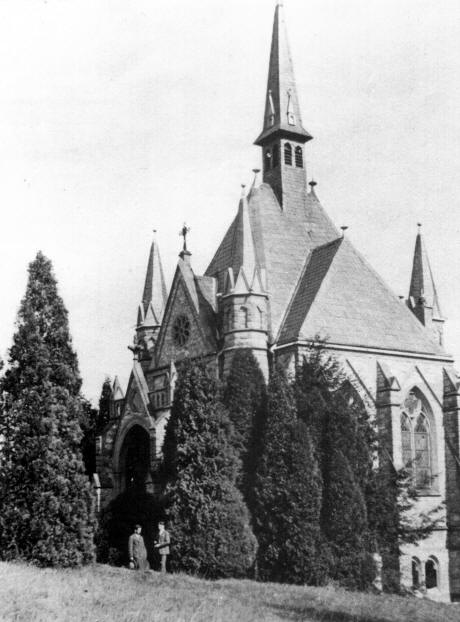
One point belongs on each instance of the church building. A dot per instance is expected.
(282, 276)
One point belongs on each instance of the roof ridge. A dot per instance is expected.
(296, 288)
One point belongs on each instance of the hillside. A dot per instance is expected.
(103, 594)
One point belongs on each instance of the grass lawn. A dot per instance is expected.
(105, 594)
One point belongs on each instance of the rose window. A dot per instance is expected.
(181, 330)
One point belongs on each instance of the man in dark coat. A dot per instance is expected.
(162, 545)
(137, 550)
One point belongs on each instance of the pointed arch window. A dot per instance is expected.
(261, 317)
(245, 317)
(417, 442)
(406, 440)
(416, 572)
(298, 157)
(431, 573)
(422, 452)
(288, 154)
(275, 156)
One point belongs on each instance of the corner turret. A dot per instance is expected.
(423, 299)
(244, 300)
(150, 310)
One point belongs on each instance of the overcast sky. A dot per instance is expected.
(119, 117)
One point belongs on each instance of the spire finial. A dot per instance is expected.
(183, 233)
(256, 171)
(419, 227)
(243, 192)
(344, 228)
(282, 110)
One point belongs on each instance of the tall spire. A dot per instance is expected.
(154, 296)
(282, 111)
(423, 299)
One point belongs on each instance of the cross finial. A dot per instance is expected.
(183, 233)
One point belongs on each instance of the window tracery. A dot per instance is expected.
(417, 441)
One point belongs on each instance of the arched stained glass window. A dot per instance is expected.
(406, 441)
(416, 441)
(298, 157)
(422, 453)
(288, 154)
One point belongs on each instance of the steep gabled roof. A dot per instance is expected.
(281, 243)
(342, 299)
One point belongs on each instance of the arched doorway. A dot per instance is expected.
(135, 461)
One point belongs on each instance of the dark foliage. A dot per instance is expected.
(287, 495)
(244, 396)
(116, 524)
(88, 420)
(104, 406)
(46, 500)
(345, 442)
(209, 520)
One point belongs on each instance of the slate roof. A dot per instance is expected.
(341, 298)
(282, 240)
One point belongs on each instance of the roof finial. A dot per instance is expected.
(256, 171)
(243, 194)
(183, 233)
(344, 228)
(419, 227)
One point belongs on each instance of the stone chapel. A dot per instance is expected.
(282, 275)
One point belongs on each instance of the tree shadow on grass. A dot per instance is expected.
(304, 613)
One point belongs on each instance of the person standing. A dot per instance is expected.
(162, 545)
(137, 550)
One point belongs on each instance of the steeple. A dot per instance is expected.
(283, 136)
(423, 299)
(282, 111)
(150, 311)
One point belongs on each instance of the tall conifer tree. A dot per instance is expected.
(104, 405)
(344, 445)
(212, 536)
(244, 395)
(287, 494)
(45, 496)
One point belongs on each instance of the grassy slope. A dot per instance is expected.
(103, 594)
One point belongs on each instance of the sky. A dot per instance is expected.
(117, 118)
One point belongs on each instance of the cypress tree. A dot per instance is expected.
(344, 445)
(287, 494)
(209, 519)
(88, 424)
(46, 500)
(104, 406)
(244, 396)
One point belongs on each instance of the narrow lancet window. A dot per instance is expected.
(298, 157)
(422, 453)
(406, 441)
(288, 154)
